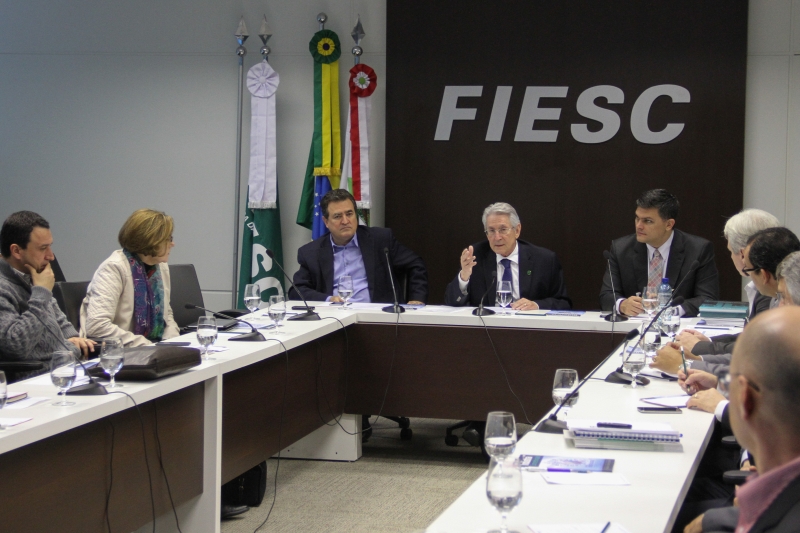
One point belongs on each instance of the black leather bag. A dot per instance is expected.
(247, 489)
(147, 363)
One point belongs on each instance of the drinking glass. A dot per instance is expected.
(277, 310)
(111, 359)
(649, 344)
(504, 295)
(501, 434)
(650, 300)
(206, 334)
(62, 373)
(504, 487)
(633, 364)
(670, 324)
(252, 297)
(564, 383)
(3, 394)
(345, 288)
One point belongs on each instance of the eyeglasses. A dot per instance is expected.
(746, 271)
(724, 383)
(500, 231)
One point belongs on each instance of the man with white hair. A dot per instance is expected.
(739, 228)
(537, 281)
(788, 275)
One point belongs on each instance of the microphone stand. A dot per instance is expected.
(480, 310)
(615, 316)
(309, 313)
(396, 308)
(253, 336)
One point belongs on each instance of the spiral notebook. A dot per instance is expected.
(645, 436)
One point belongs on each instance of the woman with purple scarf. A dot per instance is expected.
(128, 296)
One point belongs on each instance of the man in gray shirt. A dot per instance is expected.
(32, 326)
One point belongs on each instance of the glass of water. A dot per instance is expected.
(3, 393)
(649, 344)
(252, 297)
(650, 300)
(564, 383)
(206, 334)
(634, 363)
(345, 288)
(670, 323)
(111, 359)
(500, 438)
(504, 487)
(504, 295)
(277, 310)
(62, 373)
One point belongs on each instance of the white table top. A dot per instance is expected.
(657, 479)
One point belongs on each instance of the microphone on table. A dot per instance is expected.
(480, 310)
(619, 375)
(396, 308)
(552, 424)
(254, 334)
(614, 316)
(87, 389)
(309, 313)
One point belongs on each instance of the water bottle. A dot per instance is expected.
(664, 298)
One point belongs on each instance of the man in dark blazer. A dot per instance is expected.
(765, 417)
(535, 272)
(655, 251)
(357, 251)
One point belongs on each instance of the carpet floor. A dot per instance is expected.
(396, 487)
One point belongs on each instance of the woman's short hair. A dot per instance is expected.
(745, 223)
(146, 232)
(501, 208)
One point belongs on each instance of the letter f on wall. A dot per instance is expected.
(450, 112)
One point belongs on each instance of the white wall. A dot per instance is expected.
(106, 107)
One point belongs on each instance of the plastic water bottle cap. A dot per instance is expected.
(665, 280)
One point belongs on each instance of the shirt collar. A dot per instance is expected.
(513, 256)
(353, 243)
(663, 249)
(758, 493)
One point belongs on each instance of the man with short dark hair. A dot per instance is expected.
(657, 250)
(357, 251)
(32, 326)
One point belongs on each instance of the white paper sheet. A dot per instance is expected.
(27, 402)
(8, 422)
(668, 401)
(576, 528)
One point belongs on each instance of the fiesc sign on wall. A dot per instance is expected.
(586, 106)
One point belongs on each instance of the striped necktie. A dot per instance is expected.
(655, 271)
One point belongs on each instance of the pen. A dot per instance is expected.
(605, 528)
(567, 470)
(683, 358)
(614, 425)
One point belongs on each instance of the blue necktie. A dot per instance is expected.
(507, 271)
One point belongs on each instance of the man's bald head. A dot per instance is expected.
(767, 354)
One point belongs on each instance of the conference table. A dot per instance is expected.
(213, 422)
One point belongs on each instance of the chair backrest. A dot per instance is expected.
(57, 272)
(185, 289)
(70, 295)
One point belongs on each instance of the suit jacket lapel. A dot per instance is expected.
(326, 264)
(367, 248)
(525, 265)
(640, 265)
(676, 254)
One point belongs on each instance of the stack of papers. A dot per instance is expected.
(622, 435)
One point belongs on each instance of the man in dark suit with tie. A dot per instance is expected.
(657, 250)
(358, 252)
(534, 272)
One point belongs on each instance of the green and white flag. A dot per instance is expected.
(262, 223)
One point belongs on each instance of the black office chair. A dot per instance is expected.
(70, 295)
(57, 272)
(185, 289)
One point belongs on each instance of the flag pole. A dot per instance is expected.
(241, 51)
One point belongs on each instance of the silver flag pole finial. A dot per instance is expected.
(357, 35)
(241, 36)
(322, 18)
(265, 33)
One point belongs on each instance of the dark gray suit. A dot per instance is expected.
(723, 344)
(782, 516)
(315, 276)
(629, 268)
(541, 279)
